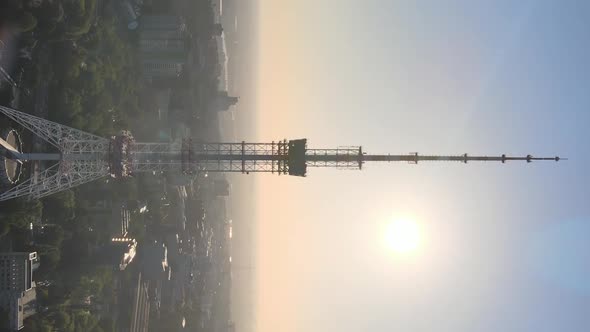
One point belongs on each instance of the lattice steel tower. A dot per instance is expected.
(82, 157)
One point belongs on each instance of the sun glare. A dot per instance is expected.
(402, 236)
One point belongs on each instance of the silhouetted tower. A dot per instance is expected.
(82, 157)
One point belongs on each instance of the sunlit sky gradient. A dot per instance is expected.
(505, 246)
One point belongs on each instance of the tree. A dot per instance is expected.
(107, 324)
(42, 295)
(37, 323)
(93, 83)
(82, 12)
(54, 11)
(49, 257)
(62, 321)
(71, 62)
(83, 320)
(52, 236)
(20, 212)
(27, 23)
(60, 207)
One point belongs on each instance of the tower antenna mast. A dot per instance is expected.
(82, 157)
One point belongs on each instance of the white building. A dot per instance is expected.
(17, 288)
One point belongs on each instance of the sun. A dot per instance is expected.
(402, 236)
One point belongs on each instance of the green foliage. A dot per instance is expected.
(82, 16)
(49, 256)
(84, 321)
(59, 208)
(38, 323)
(107, 324)
(86, 287)
(99, 83)
(27, 22)
(94, 86)
(54, 11)
(56, 293)
(49, 15)
(51, 236)
(74, 320)
(62, 321)
(50, 27)
(20, 213)
(94, 283)
(42, 295)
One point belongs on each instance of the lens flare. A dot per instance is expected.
(402, 236)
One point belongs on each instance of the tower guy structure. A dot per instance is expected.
(81, 157)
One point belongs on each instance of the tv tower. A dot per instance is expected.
(81, 157)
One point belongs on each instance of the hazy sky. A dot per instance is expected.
(505, 246)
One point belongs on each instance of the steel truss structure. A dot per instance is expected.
(81, 157)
